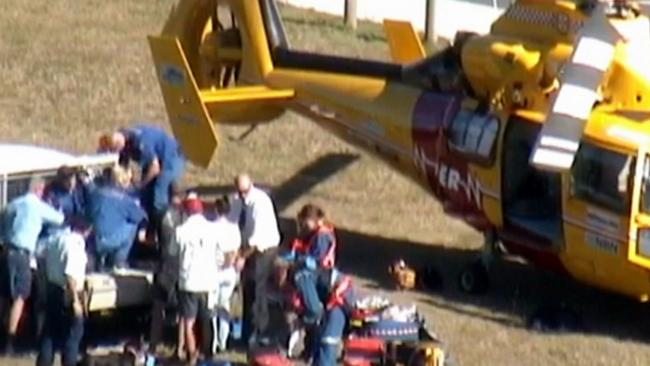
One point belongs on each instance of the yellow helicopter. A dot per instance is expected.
(536, 134)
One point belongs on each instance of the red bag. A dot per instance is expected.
(268, 357)
(363, 351)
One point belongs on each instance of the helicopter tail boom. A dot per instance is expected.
(211, 69)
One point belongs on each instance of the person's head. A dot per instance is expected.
(37, 185)
(281, 269)
(67, 178)
(121, 176)
(243, 184)
(192, 205)
(80, 226)
(222, 206)
(112, 142)
(310, 217)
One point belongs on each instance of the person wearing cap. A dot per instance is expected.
(24, 219)
(258, 224)
(228, 238)
(65, 263)
(115, 217)
(197, 246)
(161, 161)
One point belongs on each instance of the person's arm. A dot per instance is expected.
(135, 213)
(49, 214)
(152, 172)
(72, 262)
(230, 252)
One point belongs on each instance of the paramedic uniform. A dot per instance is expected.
(144, 144)
(337, 297)
(115, 217)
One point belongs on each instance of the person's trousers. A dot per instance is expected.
(263, 270)
(62, 331)
(306, 281)
(156, 195)
(248, 298)
(331, 332)
(219, 301)
(113, 249)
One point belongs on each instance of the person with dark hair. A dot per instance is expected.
(65, 265)
(166, 278)
(64, 194)
(228, 238)
(313, 252)
(336, 296)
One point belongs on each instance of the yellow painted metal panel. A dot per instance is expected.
(231, 95)
(188, 117)
(404, 42)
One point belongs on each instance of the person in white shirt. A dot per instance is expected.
(197, 248)
(258, 224)
(65, 266)
(228, 238)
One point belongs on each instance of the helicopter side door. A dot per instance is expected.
(601, 193)
(639, 230)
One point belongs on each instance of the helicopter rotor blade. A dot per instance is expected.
(579, 80)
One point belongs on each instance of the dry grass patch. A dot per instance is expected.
(70, 69)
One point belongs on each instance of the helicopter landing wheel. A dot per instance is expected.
(474, 278)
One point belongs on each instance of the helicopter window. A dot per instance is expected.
(602, 176)
(473, 133)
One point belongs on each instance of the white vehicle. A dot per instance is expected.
(21, 162)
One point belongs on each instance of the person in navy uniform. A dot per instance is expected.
(65, 194)
(160, 158)
(336, 300)
(115, 217)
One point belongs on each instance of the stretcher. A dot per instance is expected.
(375, 338)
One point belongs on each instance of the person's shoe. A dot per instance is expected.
(9, 350)
(120, 270)
(193, 360)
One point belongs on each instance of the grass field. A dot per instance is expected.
(72, 69)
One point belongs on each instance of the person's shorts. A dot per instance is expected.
(192, 303)
(166, 291)
(19, 274)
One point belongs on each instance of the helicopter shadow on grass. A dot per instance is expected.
(516, 289)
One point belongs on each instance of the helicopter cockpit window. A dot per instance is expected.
(473, 134)
(601, 177)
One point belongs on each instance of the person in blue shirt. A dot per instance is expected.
(160, 158)
(115, 217)
(65, 194)
(24, 220)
